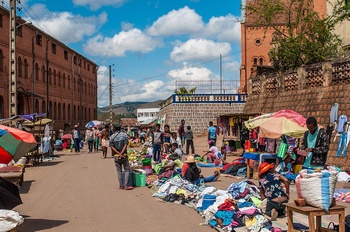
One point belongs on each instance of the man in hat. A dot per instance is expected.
(118, 143)
(76, 138)
(270, 185)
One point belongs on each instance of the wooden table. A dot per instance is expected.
(313, 212)
(14, 177)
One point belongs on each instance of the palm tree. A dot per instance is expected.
(183, 91)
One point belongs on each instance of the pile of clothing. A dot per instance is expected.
(238, 206)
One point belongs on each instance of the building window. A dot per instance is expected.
(88, 67)
(59, 78)
(261, 61)
(50, 76)
(19, 67)
(54, 77)
(257, 41)
(39, 40)
(64, 80)
(19, 31)
(255, 61)
(43, 74)
(1, 61)
(84, 64)
(75, 60)
(65, 55)
(0, 20)
(36, 71)
(93, 69)
(53, 48)
(26, 68)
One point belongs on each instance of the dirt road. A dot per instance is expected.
(79, 192)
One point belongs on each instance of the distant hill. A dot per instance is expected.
(129, 108)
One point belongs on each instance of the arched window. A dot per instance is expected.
(69, 82)
(25, 68)
(54, 77)
(50, 76)
(59, 111)
(54, 111)
(89, 116)
(37, 71)
(50, 109)
(68, 111)
(43, 106)
(36, 107)
(64, 80)
(255, 61)
(59, 78)
(261, 61)
(86, 117)
(64, 111)
(89, 90)
(43, 76)
(1, 61)
(19, 67)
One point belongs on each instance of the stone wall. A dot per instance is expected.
(197, 115)
(310, 90)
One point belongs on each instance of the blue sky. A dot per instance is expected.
(152, 43)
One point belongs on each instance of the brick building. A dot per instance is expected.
(256, 43)
(51, 77)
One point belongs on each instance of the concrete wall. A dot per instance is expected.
(310, 90)
(197, 115)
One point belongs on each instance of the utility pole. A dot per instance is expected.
(13, 62)
(110, 96)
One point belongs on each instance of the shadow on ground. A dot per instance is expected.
(25, 186)
(48, 163)
(33, 224)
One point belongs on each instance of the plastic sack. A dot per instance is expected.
(282, 150)
(9, 219)
(317, 188)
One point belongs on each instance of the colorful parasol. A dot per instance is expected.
(274, 125)
(93, 123)
(14, 143)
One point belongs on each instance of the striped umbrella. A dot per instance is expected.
(14, 143)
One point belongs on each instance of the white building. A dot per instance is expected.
(148, 114)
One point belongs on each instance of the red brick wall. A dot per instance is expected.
(60, 93)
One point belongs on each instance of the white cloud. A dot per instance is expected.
(224, 28)
(177, 22)
(133, 40)
(103, 86)
(188, 73)
(96, 4)
(231, 66)
(126, 26)
(199, 50)
(65, 26)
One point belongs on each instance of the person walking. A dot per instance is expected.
(189, 141)
(157, 142)
(105, 141)
(211, 134)
(90, 138)
(76, 138)
(118, 143)
(181, 132)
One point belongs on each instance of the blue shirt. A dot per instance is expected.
(272, 186)
(212, 132)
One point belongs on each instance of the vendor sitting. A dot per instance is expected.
(174, 162)
(270, 184)
(175, 149)
(285, 167)
(192, 172)
(213, 152)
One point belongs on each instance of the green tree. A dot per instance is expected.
(300, 35)
(183, 90)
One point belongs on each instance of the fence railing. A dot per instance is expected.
(205, 98)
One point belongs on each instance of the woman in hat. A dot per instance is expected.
(192, 172)
(271, 187)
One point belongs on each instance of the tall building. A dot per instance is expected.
(51, 77)
(256, 43)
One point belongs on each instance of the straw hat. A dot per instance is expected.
(190, 159)
(265, 167)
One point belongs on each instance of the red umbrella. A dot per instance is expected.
(66, 136)
(14, 143)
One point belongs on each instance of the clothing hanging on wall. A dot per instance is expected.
(343, 119)
(334, 113)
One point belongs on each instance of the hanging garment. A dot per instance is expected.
(334, 113)
(342, 145)
(341, 122)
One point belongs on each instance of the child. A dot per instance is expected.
(270, 185)
(212, 153)
(285, 167)
(189, 140)
(157, 141)
(223, 154)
